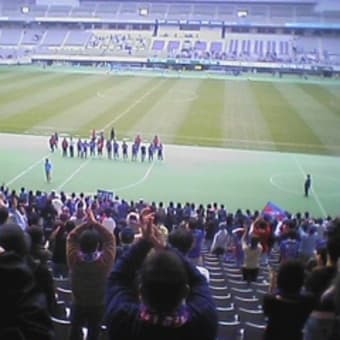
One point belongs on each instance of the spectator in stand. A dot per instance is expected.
(3, 215)
(172, 300)
(18, 213)
(289, 248)
(58, 246)
(252, 256)
(25, 310)
(38, 251)
(308, 241)
(325, 325)
(262, 229)
(126, 238)
(107, 221)
(182, 239)
(49, 215)
(90, 256)
(319, 281)
(220, 242)
(195, 252)
(286, 307)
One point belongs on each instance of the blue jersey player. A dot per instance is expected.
(48, 170)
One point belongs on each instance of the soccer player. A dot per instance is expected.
(100, 146)
(109, 148)
(134, 150)
(71, 148)
(79, 147)
(138, 140)
(48, 170)
(64, 146)
(150, 152)
(92, 147)
(125, 150)
(115, 150)
(160, 152)
(308, 184)
(143, 152)
(52, 143)
(85, 148)
(112, 134)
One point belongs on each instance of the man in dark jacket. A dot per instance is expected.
(172, 300)
(24, 306)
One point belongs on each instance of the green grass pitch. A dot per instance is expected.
(289, 117)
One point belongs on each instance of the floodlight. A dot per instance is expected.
(242, 13)
(143, 11)
(25, 9)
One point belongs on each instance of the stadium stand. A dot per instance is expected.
(216, 35)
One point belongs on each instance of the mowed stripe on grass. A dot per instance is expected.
(55, 100)
(115, 106)
(204, 117)
(324, 123)
(167, 113)
(32, 111)
(289, 131)
(243, 120)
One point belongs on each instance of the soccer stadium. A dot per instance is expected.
(170, 169)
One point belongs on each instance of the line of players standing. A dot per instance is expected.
(96, 144)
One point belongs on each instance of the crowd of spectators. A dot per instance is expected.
(137, 266)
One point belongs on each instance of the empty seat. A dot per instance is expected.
(228, 330)
(250, 303)
(253, 331)
(251, 315)
(64, 295)
(61, 328)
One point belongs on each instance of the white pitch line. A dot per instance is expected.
(140, 181)
(316, 196)
(24, 172)
(68, 179)
(133, 105)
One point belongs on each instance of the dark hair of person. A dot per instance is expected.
(69, 226)
(262, 224)
(163, 281)
(192, 224)
(290, 277)
(89, 240)
(181, 239)
(13, 238)
(3, 215)
(333, 248)
(254, 241)
(36, 233)
(322, 253)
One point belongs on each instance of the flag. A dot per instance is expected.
(274, 211)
